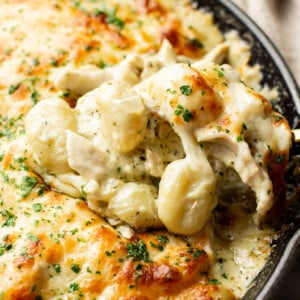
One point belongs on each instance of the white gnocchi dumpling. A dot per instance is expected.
(186, 196)
(46, 127)
(124, 117)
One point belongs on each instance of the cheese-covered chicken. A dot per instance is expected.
(143, 144)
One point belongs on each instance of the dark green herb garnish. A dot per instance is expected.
(138, 251)
(186, 90)
(27, 184)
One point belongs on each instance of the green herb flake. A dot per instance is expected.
(83, 192)
(224, 275)
(76, 3)
(32, 237)
(41, 190)
(37, 207)
(54, 63)
(171, 91)
(5, 247)
(138, 251)
(157, 246)
(186, 90)
(196, 43)
(219, 128)
(57, 268)
(219, 72)
(243, 129)
(75, 268)
(110, 17)
(74, 287)
(88, 48)
(197, 253)
(74, 231)
(187, 115)
(277, 118)
(27, 184)
(101, 64)
(269, 148)
(8, 51)
(35, 62)
(10, 218)
(113, 19)
(214, 281)
(163, 239)
(131, 286)
(13, 88)
(35, 97)
(239, 138)
(179, 110)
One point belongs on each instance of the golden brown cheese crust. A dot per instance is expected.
(39, 36)
(65, 249)
(51, 245)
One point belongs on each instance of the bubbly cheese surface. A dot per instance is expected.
(111, 108)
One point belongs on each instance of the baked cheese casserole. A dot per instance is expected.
(140, 158)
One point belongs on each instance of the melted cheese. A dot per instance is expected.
(195, 100)
(52, 245)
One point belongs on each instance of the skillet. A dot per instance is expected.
(276, 73)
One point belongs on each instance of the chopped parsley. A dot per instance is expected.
(57, 268)
(35, 97)
(54, 63)
(101, 64)
(74, 287)
(163, 239)
(277, 118)
(171, 91)
(186, 90)
(9, 127)
(10, 218)
(27, 184)
(196, 43)
(157, 246)
(213, 281)
(5, 247)
(75, 268)
(179, 110)
(37, 207)
(138, 251)
(32, 237)
(13, 88)
(219, 72)
(196, 253)
(187, 115)
(83, 192)
(244, 128)
(35, 62)
(239, 138)
(110, 17)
